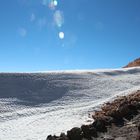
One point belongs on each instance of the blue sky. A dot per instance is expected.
(40, 35)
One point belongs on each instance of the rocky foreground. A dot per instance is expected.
(117, 120)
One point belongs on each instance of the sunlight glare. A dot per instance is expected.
(58, 18)
(61, 35)
(55, 2)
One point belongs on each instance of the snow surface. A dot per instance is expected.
(34, 105)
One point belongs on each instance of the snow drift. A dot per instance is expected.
(34, 105)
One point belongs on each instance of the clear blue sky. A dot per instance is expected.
(39, 35)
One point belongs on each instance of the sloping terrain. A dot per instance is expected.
(135, 63)
(33, 105)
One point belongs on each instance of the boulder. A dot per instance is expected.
(63, 137)
(88, 131)
(100, 125)
(50, 137)
(75, 134)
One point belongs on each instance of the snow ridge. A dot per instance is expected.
(33, 105)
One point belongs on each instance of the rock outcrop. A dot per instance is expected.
(135, 63)
(112, 113)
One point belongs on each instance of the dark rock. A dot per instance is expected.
(50, 137)
(88, 131)
(100, 125)
(63, 137)
(109, 120)
(133, 109)
(108, 138)
(137, 104)
(128, 111)
(117, 119)
(115, 114)
(124, 110)
(75, 134)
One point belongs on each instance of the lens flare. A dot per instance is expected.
(50, 3)
(55, 2)
(61, 35)
(58, 18)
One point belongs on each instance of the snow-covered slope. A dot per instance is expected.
(33, 105)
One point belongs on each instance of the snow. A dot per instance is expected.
(34, 105)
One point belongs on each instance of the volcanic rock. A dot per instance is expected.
(135, 63)
(75, 134)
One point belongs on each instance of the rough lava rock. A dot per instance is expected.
(88, 131)
(115, 112)
(75, 134)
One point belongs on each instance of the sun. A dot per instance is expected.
(61, 35)
(55, 2)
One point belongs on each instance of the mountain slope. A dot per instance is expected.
(34, 105)
(135, 63)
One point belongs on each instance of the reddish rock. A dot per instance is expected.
(135, 63)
